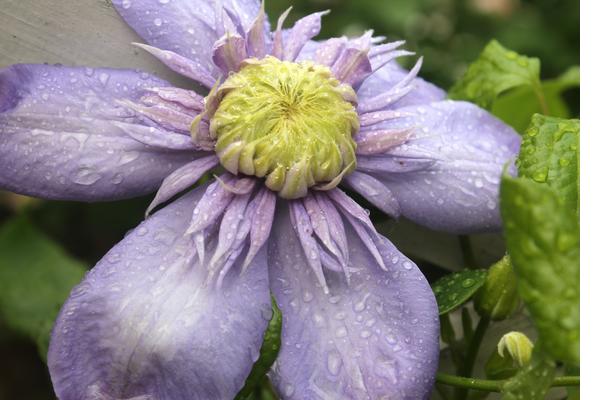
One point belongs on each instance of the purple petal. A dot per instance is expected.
(352, 66)
(186, 98)
(303, 30)
(390, 75)
(229, 52)
(262, 221)
(328, 51)
(258, 35)
(394, 94)
(65, 135)
(304, 230)
(181, 179)
(186, 27)
(143, 323)
(277, 50)
(167, 115)
(375, 191)
(461, 150)
(380, 141)
(182, 65)
(375, 337)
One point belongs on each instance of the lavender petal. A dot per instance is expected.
(64, 134)
(143, 325)
(375, 337)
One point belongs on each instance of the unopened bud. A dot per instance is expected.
(497, 299)
(517, 345)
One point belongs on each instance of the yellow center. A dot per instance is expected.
(292, 123)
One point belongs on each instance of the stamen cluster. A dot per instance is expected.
(292, 123)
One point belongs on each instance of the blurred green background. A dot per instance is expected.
(448, 33)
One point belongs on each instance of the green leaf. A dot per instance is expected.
(550, 154)
(533, 381)
(36, 276)
(495, 71)
(516, 106)
(542, 238)
(455, 289)
(268, 354)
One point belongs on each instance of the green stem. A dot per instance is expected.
(466, 369)
(539, 93)
(494, 385)
(467, 251)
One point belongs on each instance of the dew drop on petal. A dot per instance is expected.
(86, 176)
(334, 362)
(341, 332)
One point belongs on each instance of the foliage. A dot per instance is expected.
(36, 276)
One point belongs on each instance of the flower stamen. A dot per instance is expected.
(291, 123)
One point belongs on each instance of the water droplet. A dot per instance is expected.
(104, 78)
(365, 334)
(288, 390)
(266, 313)
(308, 296)
(361, 305)
(541, 176)
(467, 283)
(163, 1)
(478, 183)
(386, 369)
(334, 362)
(142, 231)
(113, 258)
(341, 332)
(86, 176)
(340, 315)
(127, 157)
(126, 4)
(117, 179)
(157, 21)
(407, 265)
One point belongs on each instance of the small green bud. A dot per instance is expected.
(291, 123)
(513, 352)
(518, 346)
(497, 299)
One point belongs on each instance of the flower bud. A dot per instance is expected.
(498, 298)
(513, 352)
(517, 345)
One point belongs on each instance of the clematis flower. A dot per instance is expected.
(178, 308)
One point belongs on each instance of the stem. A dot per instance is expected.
(539, 93)
(467, 367)
(467, 251)
(495, 385)
(469, 383)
